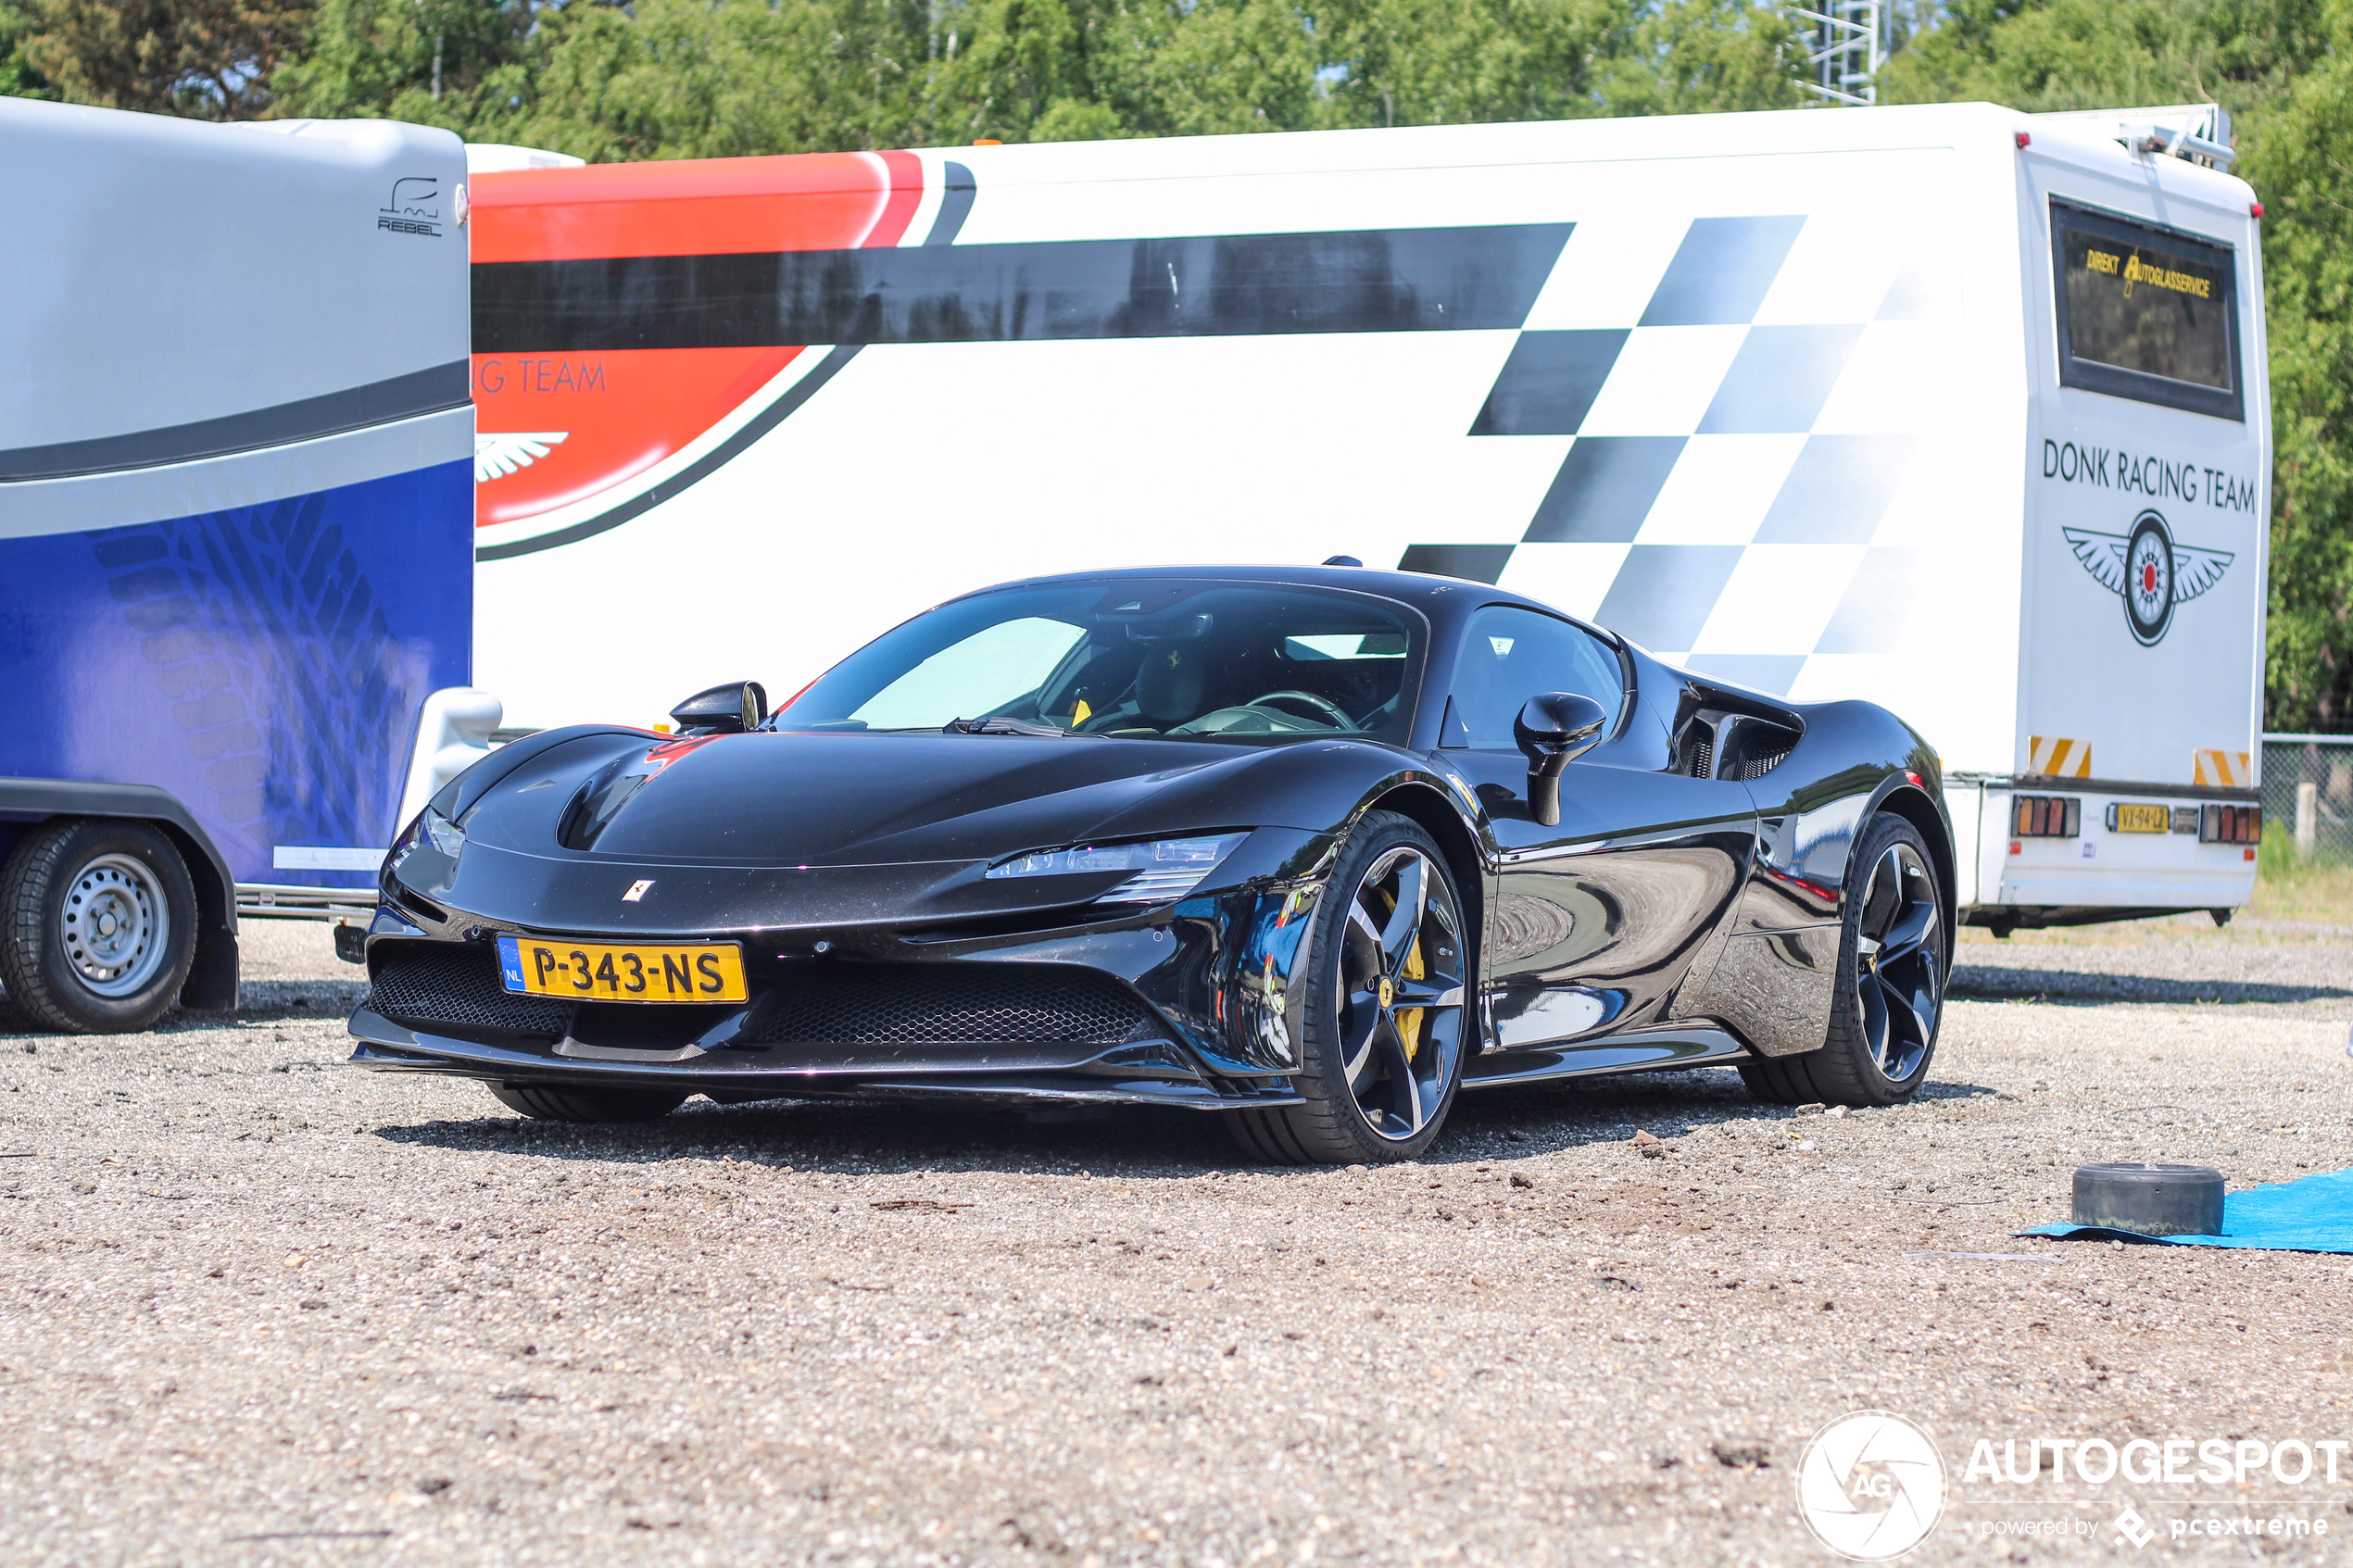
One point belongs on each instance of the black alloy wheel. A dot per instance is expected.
(1380, 1031)
(1894, 956)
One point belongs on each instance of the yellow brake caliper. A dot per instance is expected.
(1409, 1019)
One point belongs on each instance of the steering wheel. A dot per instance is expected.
(1324, 708)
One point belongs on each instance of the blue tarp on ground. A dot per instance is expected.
(2309, 1214)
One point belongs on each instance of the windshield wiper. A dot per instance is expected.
(1004, 727)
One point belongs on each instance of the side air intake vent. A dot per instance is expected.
(1749, 747)
(1716, 740)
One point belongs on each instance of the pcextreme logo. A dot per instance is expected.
(2148, 570)
(1871, 1485)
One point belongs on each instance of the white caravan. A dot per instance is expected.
(1953, 409)
(236, 553)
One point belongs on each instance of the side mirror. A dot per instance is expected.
(1554, 730)
(723, 710)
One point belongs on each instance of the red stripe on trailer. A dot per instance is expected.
(906, 195)
(616, 413)
(686, 207)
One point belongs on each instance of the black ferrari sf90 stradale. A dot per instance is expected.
(1315, 849)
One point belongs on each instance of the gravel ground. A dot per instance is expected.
(256, 1308)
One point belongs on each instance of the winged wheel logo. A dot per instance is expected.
(2148, 571)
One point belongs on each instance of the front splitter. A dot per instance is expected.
(387, 1047)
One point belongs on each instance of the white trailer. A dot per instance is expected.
(1953, 408)
(235, 562)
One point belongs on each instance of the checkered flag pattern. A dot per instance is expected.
(1733, 443)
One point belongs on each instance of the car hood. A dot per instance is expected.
(819, 801)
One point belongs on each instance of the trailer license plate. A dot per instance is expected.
(623, 971)
(2143, 819)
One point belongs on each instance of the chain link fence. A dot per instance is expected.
(2307, 795)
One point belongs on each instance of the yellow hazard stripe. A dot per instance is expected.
(2223, 769)
(2057, 756)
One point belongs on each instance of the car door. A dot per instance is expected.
(1595, 922)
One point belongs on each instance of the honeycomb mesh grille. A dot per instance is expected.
(953, 1004)
(456, 985)
(1757, 767)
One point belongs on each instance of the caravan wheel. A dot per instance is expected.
(97, 925)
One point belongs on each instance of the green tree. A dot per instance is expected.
(19, 78)
(435, 62)
(211, 59)
(1706, 57)
(1440, 62)
(2109, 54)
(1198, 68)
(2298, 164)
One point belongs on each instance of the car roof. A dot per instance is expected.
(1426, 592)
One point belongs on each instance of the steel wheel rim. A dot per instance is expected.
(1398, 1003)
(115, 925)
(1898, 980)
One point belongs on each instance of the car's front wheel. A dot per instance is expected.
(1380, 1037)
(542, 1103)
(1894, 953)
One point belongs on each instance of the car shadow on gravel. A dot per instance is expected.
(1993, 983)
(1137, 1143)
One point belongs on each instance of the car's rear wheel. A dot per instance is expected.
(542, 1103)
(97, 925)
(1894, 957)
(1380, 1036)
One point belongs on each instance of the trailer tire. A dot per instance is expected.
(97, 925)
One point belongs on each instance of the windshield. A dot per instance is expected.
(1132, 658)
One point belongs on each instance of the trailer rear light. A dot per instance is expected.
(2024, 139)
(2046, 816)
(2255, 210)
(2230, 824)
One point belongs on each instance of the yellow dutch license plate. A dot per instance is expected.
(623, 971)
(2143, 819)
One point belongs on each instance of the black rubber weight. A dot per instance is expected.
(1329, 1129)
(546, 1104)
(2150, 1199)
(1842, 1072)
(33, 964)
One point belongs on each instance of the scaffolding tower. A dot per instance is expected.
(1845, 47)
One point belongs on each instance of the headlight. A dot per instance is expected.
(1163, 869)
(430, 830)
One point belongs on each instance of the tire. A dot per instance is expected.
(1378, 1075)
(97, 925)
(1894, 956)
(542, 1103)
